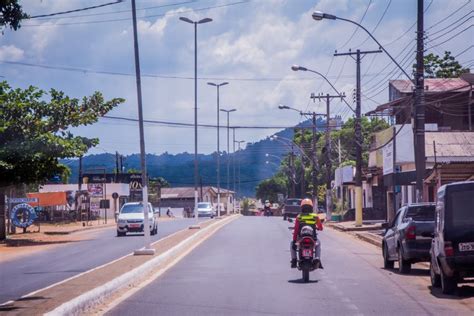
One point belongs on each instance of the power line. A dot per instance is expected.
(169, 123)
(356, 27)
(448, 16)
(76, 10)
(119, 11)
(455, 22)
(159, 76)
(377, 25)
(464, 51)
(143, 17)
(451, 38)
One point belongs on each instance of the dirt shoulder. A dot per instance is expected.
(49, 298)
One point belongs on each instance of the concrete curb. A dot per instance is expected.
(370, 239)
(353, 229)
(80, 304)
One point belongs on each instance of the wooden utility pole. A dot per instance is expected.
(328, 98)
(358, 134)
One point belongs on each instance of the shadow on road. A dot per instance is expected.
(463, 292)
(300, 281)
(413, 272)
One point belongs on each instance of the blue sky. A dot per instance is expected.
(256, 39)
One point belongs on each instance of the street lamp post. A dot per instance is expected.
(196, 166)
(218, 85)
(147, 250)
(228, 149)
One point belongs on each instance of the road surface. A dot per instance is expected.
(30, 273)
(244, 269)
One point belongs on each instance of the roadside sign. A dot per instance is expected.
(22, 200)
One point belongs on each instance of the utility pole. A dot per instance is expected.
(117, 169)
(292, 173)
(358, 135)
(314, 167)
(147, 250)
(419, 107)
(80, 174)
(233, 164)
(328, 98)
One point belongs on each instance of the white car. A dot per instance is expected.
(205, 209)
(130, 219)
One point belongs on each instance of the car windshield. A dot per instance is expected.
(294, 202)
(204, 205)
(459, 208)
(421, 213)
(133, 208)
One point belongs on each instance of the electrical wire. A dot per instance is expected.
(143, 17)
(76, 10)
(356, 27)
(377, 25)
(118, 12)
(465, 50)
(451, 38)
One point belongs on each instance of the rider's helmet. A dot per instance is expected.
(306, 206)
(307, 231)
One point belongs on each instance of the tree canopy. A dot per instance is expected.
(34, 133)
(11, 14)
(442, 67)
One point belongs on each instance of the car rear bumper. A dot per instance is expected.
(127, 229)
(460, 265)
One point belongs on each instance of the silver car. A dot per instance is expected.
(205, 209)
(131, 218)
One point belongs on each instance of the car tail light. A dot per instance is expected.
(448, 249)
(410, 233)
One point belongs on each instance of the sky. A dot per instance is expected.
(250, 44)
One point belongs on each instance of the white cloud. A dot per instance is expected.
(11, 53)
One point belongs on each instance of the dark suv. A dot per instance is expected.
(291, 208)
(452, 249)
(408, 237)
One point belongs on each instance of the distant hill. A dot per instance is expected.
(178, 169)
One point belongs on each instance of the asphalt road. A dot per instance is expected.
(30, 273)
(244, 270)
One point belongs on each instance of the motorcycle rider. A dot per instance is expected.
(267, 208)
(306, 218)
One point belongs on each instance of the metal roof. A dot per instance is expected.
(450, 146)
(433, 85)
(187, 192)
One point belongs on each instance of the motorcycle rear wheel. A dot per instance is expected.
(305, 273)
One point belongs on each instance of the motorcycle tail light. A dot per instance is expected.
(448, 249)
(307, 242)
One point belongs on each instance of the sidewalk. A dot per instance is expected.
(52, 297)
(350, 226)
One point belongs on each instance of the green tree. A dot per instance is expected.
(34, 134)
(11, 14)
(268, 189)
(442, 67)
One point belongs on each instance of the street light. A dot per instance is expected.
(218, 85)
(301, 68)
(228, 155)
(318, 16)
(196, 167)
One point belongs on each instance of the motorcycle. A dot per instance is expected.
(305, 250)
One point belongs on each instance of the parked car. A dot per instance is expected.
(205, 209)
(407, 238)
(131, 217)
(452, 249)
(291, 208)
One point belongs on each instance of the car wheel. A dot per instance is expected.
(434, 277)
(120, 234)
(404, 266)
(448, 284)
(387, 263)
